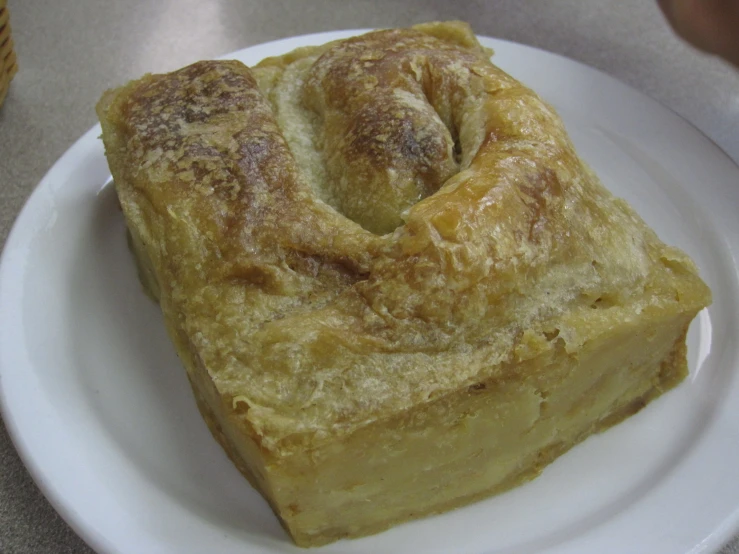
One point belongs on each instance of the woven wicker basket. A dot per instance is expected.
(8, 65)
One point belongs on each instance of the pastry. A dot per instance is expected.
(395, 287)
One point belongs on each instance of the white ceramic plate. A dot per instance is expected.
(100, 410)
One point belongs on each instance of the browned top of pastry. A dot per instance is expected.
(352, 229)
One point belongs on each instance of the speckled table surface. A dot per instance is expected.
(69, 52)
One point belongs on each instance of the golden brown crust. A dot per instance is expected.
(256, 194)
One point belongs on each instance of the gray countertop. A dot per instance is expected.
(69, 52)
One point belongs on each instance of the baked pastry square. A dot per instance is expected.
(395, 287)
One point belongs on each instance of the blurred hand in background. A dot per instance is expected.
(711, 25)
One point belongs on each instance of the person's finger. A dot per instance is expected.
(711, 25)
